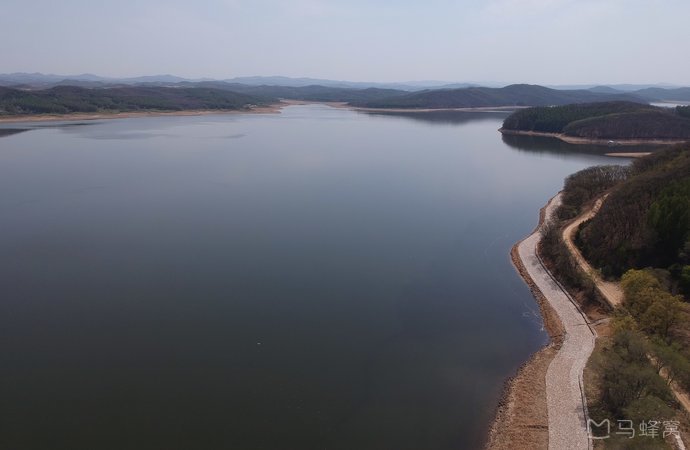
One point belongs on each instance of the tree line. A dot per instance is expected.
(70, 99)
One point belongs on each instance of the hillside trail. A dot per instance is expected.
(612, 291)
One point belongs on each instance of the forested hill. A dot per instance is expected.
(645, 221)
(605, 120)
(70, 99)
(315, 93)
(229, 96)
(513, 95)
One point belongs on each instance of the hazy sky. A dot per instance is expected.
(536, 41)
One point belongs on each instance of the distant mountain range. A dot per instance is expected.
(38, 93)
(40, 80)
(617, 87)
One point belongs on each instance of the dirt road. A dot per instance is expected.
(611, 291)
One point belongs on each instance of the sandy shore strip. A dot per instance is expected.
(579, 140)
(413, 110)
(628, 155)
(269, 109)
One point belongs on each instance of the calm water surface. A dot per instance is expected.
(318, 279)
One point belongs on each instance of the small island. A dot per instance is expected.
(612, 123)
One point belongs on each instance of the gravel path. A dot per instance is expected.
(564, 387)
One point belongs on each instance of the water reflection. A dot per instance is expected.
(328, 280)
(10, 131)
(444, 117)
(545, 144)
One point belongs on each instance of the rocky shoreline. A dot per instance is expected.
(521, 419)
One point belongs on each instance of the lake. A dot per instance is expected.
(316, 279)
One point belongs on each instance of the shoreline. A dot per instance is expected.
(565, 398)
(466, 109)
(269, 109)
(274, 108)
(346, 105)
(580, 140)
(522, 411)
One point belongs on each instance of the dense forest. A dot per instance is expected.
(645, 221)
(555, 119)
(634, 125)
(513, 95)
(683, 111)
(70, 99)
(603, 120)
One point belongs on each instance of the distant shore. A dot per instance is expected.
(269, 109)
(580, 140)
(346, 105)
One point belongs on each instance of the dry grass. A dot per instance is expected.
(522, 419)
